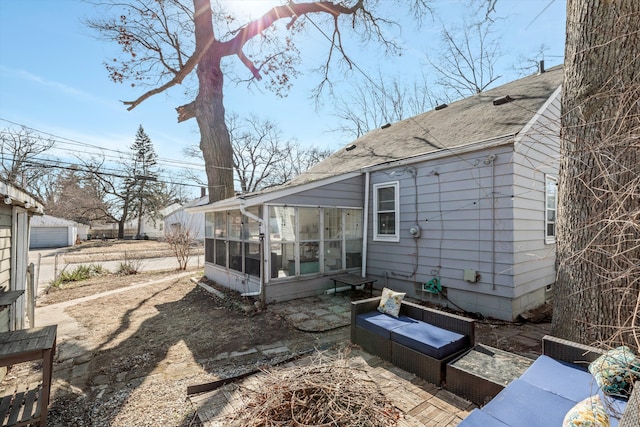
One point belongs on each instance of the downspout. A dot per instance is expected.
(491, 159)
(243, 211)
(365, 222)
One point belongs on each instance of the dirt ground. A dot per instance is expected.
(149, 343)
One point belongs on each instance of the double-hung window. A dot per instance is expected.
(551, 207)
(386, 202)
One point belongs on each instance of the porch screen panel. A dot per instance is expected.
(353, 237)
(209, 250)
(235, 255)
(235, 225)
(221, 252)
(282, 235)
(252, 259)
(209, 225)
(220, 225)
(309, 238)
(251, 231)
(333, 235)
(209, 242)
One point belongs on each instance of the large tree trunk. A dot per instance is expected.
(209, 109)
(598, 246)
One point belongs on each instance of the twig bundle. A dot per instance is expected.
(326, 392)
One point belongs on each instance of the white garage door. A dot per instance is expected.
(49, 237)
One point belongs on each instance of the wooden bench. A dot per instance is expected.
(353, 281)
(28, 407)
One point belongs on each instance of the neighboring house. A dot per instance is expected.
(151, 228)
(456, 206)
(16, 210)
(51, 232)
(183, 220)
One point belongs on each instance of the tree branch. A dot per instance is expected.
(186, 112)
(291, 10)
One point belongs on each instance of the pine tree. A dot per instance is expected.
(146, 192)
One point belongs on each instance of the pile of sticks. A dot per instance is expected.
(325, 392)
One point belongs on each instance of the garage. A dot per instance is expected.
(51, 232)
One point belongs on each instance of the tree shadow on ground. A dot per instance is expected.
(161, 343)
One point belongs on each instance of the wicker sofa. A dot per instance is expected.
(421, 340)
(549, 388)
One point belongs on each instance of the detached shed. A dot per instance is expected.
(17, 209)
(51, 232)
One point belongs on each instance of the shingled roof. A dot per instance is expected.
(470, 120)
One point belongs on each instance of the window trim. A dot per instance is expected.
(386, 237)
(550, 239)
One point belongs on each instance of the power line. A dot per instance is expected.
(538, 15)
(101, 150)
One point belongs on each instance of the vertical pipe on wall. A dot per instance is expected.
(492, 159)
(365, 224)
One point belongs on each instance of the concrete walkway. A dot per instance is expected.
(72, 353)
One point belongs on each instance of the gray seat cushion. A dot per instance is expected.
(430, 340)
(382, 324)
(523, 404)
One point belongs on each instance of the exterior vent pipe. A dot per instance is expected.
(502, 100)
(541, 66)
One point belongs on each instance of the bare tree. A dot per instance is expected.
(597, 292)
(258, 147)
(73, 197)
(23, 158)
(467, 60)
(160, 51)
(373, 103)
(262, 157)
(115, 189)
(182, 238)
(464, 67)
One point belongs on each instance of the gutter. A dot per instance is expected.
(445, 152)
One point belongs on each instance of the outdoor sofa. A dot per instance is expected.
(420, 340)
(550, 388)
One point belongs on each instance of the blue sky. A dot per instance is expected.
(52, 76)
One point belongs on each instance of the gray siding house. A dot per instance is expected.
(455, 206)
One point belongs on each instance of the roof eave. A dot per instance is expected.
(446, 152)
(261, 198)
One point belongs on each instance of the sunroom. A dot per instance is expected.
(260, 246)
(301, 240)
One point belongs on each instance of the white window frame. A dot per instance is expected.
(386, 237)
(550, 180)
